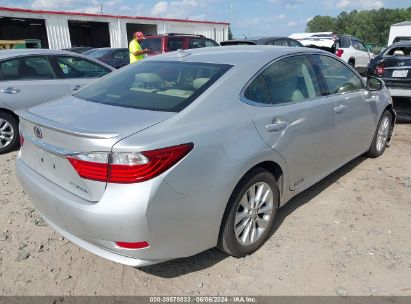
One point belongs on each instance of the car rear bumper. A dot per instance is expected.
(133, 214)
(400, 92)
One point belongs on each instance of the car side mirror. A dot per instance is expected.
(374, 84)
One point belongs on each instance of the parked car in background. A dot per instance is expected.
(115, 57)
(78, 49)
(393, 65)
(353, 51)
(30, 77)
(196, 149)
(159, 44)
(348, 48)
(279, 41)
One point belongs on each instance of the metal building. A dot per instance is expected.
(58, 30)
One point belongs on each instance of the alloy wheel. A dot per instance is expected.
(6, 133)
(254, 213)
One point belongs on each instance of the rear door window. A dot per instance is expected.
(296, 85)
(76, 67)
(155, 85)
(26, 68)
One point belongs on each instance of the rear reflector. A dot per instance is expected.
(379, 69)
(339, 52)
(136, 245)
(21, 139)
(127, 168)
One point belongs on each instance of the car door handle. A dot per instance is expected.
(10, 90)
(340, 109)
(276, 126)
(76, 88)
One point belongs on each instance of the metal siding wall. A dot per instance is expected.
(58, 33)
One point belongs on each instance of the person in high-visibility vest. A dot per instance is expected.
(136, 52)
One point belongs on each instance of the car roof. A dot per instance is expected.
(234, 55)
(4, 54)
(255, 39)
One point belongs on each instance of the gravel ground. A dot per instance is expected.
(347, 235)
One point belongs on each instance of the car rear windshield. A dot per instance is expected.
(97, 53)
(398, 51)
(153, 44)
(154, 85)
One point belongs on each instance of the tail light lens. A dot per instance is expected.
(339, 52)
(379, 69)
(127, 168)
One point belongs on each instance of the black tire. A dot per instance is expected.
(375, 150)
(14, 125)
(227, 239)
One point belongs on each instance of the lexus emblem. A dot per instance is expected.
(37, 132)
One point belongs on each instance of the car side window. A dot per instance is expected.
(195, 43)
(209, 42)
(291, 79)
(174, 43)
(257, 91)
(338, 77)
(344, 42)
(121, 55)
(280, 42)
(26, 68)
(293, 43)
(362, 47)
(76, 67)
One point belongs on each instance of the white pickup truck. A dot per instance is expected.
(348, 48)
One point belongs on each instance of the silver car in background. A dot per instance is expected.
(195, 149)
(32, 76)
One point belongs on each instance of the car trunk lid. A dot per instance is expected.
(69, 126)
(397, 67)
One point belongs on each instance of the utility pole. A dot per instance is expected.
(101, 7)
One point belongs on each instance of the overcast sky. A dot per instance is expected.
(255, 17)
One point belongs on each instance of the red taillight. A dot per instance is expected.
(136, 245)
(379, 69)
(21, 139)
(127, 168)
(339, 52)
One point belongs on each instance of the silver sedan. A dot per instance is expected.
(32, 76)
(196, 149)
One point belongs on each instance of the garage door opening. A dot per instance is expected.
(146, 29)
(84, 33)
(23, 28)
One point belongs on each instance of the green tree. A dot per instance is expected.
(371, 26)
(321, 24)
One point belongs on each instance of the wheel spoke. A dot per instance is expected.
(241, 227)
(253, 236)
(246, 234)
(268, 195)
(258, 196)
(265, 209)
(239, 217)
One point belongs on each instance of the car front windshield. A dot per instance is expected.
(155, 85)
